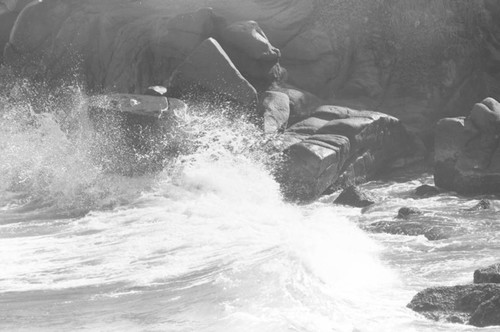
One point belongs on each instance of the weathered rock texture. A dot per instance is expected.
(490, 274)
(476, 304)
(467, 151)
(337, 146)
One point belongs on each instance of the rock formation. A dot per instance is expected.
(467, 151)
(476, 304)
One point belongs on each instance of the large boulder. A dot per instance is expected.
(342, 147)
(475, 304)
(467, 151)
(130, 131)
(250, 50)
(209, 70)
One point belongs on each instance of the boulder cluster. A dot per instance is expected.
(476, 304)
(336, 87)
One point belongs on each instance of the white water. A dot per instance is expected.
(206, 245)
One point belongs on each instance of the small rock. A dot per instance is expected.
(426, 191)
(490, 274)
(483, 204)
(352, 196)
(406, 212)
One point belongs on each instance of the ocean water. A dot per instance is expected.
(208, 243)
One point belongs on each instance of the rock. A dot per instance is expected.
(252, 53)
(340, 152)
(483, 204)
(156, 91)
(130, 131)
(310, 60)
(467, 152)
(353, 196)
(490, 274)
(276, 111)
(209, 69)
(425, 227)
(468, 303)
(406, 212)
(248, 37)
(302, 103)
(486, 116)
(426, 190)
(487, 313)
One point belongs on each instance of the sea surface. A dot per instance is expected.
(208, 243)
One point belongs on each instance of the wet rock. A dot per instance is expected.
(209, 70)
(130, 131)
(276, 111)
(353, 196)
(427, 228)
(483, 204)
(426, 190)
(490, 274)
(467, 151)
(406, 212)
(302, 103)
(487, 313)
(476, 304)
(341, 151)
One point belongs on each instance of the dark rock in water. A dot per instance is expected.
(406, 212)
(412, 228)
(487, 314)
(209, 70)
(130, 131)
(476, 304)
(490, 274)
(483, 204)
(352, 196)
(157, 90)
(467, 151)
(426, 191)
(276, 111)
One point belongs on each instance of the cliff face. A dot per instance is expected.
(418, 60)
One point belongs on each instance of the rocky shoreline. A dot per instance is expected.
(334, 99)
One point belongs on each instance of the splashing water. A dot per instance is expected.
(206, 244)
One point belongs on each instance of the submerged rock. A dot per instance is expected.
(353, 196)
(467, 151)
(483, 204)
(490, 274)
(428, 229)
(476, 304)
(406, 212)
(426, 190)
